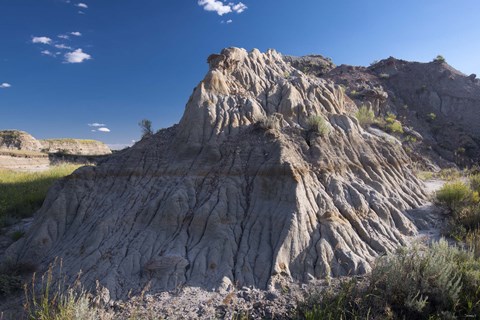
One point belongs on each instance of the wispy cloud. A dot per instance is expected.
(76, 34)
(239, 7)
(63, 36)
(5, 85)
(48, 53)
(222, 8)
(227, 22)
(77, 56)
(103, 129)
(96, 124)
(62, 46)
(82, 5)
(42, 40)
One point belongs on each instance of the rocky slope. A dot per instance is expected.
(18, 140)
(75, 147)
(243, 192)
(438, 106)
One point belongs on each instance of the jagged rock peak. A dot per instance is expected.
(243, 87)
(220, 200)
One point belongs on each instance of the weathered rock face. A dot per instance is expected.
(437, 101)
(18, 140)
(241, 192)
(75, 146)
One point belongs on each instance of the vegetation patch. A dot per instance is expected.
(22, 193)
(437, 282)
(365, 116)
(319, 125)
(69, 141)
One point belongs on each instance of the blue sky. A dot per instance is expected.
(66, 64)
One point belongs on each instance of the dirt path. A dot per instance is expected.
(428, 218)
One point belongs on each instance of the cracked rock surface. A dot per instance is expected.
(222, 200)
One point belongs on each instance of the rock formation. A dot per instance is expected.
(440, 104)
(266, 177)
(75, 147)
(18, 140)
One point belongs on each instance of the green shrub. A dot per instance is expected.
(54, 300)
(365, 116)
(431, 117)
(455, 196)
(319, 125)
(439, 59)
(390, 124)
(273, 121)
(437, 282)
(418, 281)
(475, 182)
(335, 303)
(384, 76)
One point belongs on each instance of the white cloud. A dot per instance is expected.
(239, 7)
(63, 36)
(76, 34)
(96, 124)
(81, 12)
(48, 53)
(5, 85)
(42, 40)
(77, 56)
(62, 46)
(214, 5)
(229, 21)
(82, 5)
(103, 129)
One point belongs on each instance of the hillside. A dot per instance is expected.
(267, 178)
(437, 105)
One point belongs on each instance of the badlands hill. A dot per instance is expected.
(268, 177)
(21, 151)
(23, 141)
(436, 104)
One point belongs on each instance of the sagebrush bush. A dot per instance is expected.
(319, 125)
(273, 121)
(419, 281)
(437, 282)
(365, 116)
(455, 196)
(475, 182)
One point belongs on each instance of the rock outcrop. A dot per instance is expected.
(18, 140)
(433, 99)
(75, 147)
(265, 178)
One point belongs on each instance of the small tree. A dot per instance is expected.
(439, 59)
(146, 126)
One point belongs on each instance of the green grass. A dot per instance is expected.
(22, 193)
(67, 140)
